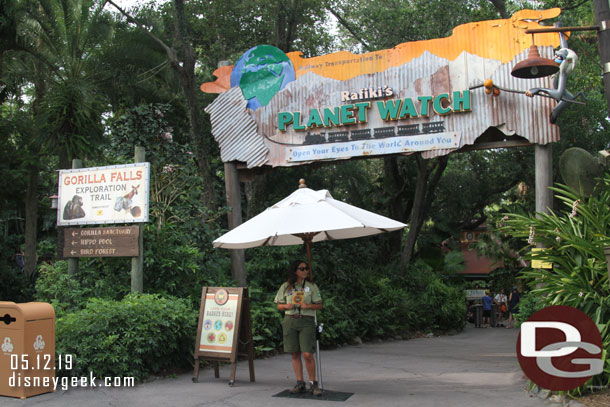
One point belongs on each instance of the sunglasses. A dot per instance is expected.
(301, 268)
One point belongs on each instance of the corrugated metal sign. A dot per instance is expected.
(421, 96)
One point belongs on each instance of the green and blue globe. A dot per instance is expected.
(261, 72)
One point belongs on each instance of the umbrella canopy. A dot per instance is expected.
(306, 216)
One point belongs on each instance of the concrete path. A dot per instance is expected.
(477, 367)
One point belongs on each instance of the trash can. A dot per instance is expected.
(27, 348)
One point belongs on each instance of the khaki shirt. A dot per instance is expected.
(309, 293)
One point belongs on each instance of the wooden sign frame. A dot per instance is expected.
(241, 344)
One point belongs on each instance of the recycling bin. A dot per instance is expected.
(27, 349)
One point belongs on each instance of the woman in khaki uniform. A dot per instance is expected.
(299, 297)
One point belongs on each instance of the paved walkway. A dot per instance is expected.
(477, 367)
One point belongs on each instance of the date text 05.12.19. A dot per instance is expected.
(40, 362)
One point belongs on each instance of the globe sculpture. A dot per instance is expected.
(261, 72)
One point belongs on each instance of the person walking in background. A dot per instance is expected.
(300, 298)
(487, 305)
(18, 259)
(501, 301)
(513, 306)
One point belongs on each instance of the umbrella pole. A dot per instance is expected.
(308, 247)
(318, 362)
(307, 241)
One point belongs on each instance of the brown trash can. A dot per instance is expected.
(27, 348)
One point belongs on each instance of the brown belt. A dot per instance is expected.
(299, 316)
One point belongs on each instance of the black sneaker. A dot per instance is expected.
(315, 389)
(298, 388)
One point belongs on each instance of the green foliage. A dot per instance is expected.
(362, 296)
(15, 285)
(574, 242)
(503, 279)
(266, 321)
(176, 266)
(137, 336)
(96, 278)
(411, 20)
(453, 262)
(529, 303)
(438, 305)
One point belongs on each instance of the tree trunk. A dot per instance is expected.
(394, 185)
(185, 67)
(602, 13)
(31, 215)
(190, 88)
(187, 80)
(428, 176)
(287, 21)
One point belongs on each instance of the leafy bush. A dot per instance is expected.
(266, 321)
(529, 303)
(439, 306)
(15, 285)
(175, 266)
(361, 298)
(138, 336)
(96, 278)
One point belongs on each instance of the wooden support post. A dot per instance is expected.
(73, 261)
(544, 177)
(238, 260)
(602, 18)
(544, 180)
(137, 263)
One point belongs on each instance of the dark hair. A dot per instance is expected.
(291, 276)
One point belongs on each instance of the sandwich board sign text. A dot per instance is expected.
(224, 325)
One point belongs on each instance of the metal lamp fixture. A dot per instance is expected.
(534, 66)
(54, 201)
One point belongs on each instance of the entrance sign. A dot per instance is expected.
(121, 241)
(224, 326)
(101, 195)
(428, 96)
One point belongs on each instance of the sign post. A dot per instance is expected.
(72, 262)
(225, 326)
(137, 262)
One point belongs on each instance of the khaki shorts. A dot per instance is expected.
(299, 334)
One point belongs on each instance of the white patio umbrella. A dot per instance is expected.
(306, 216)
